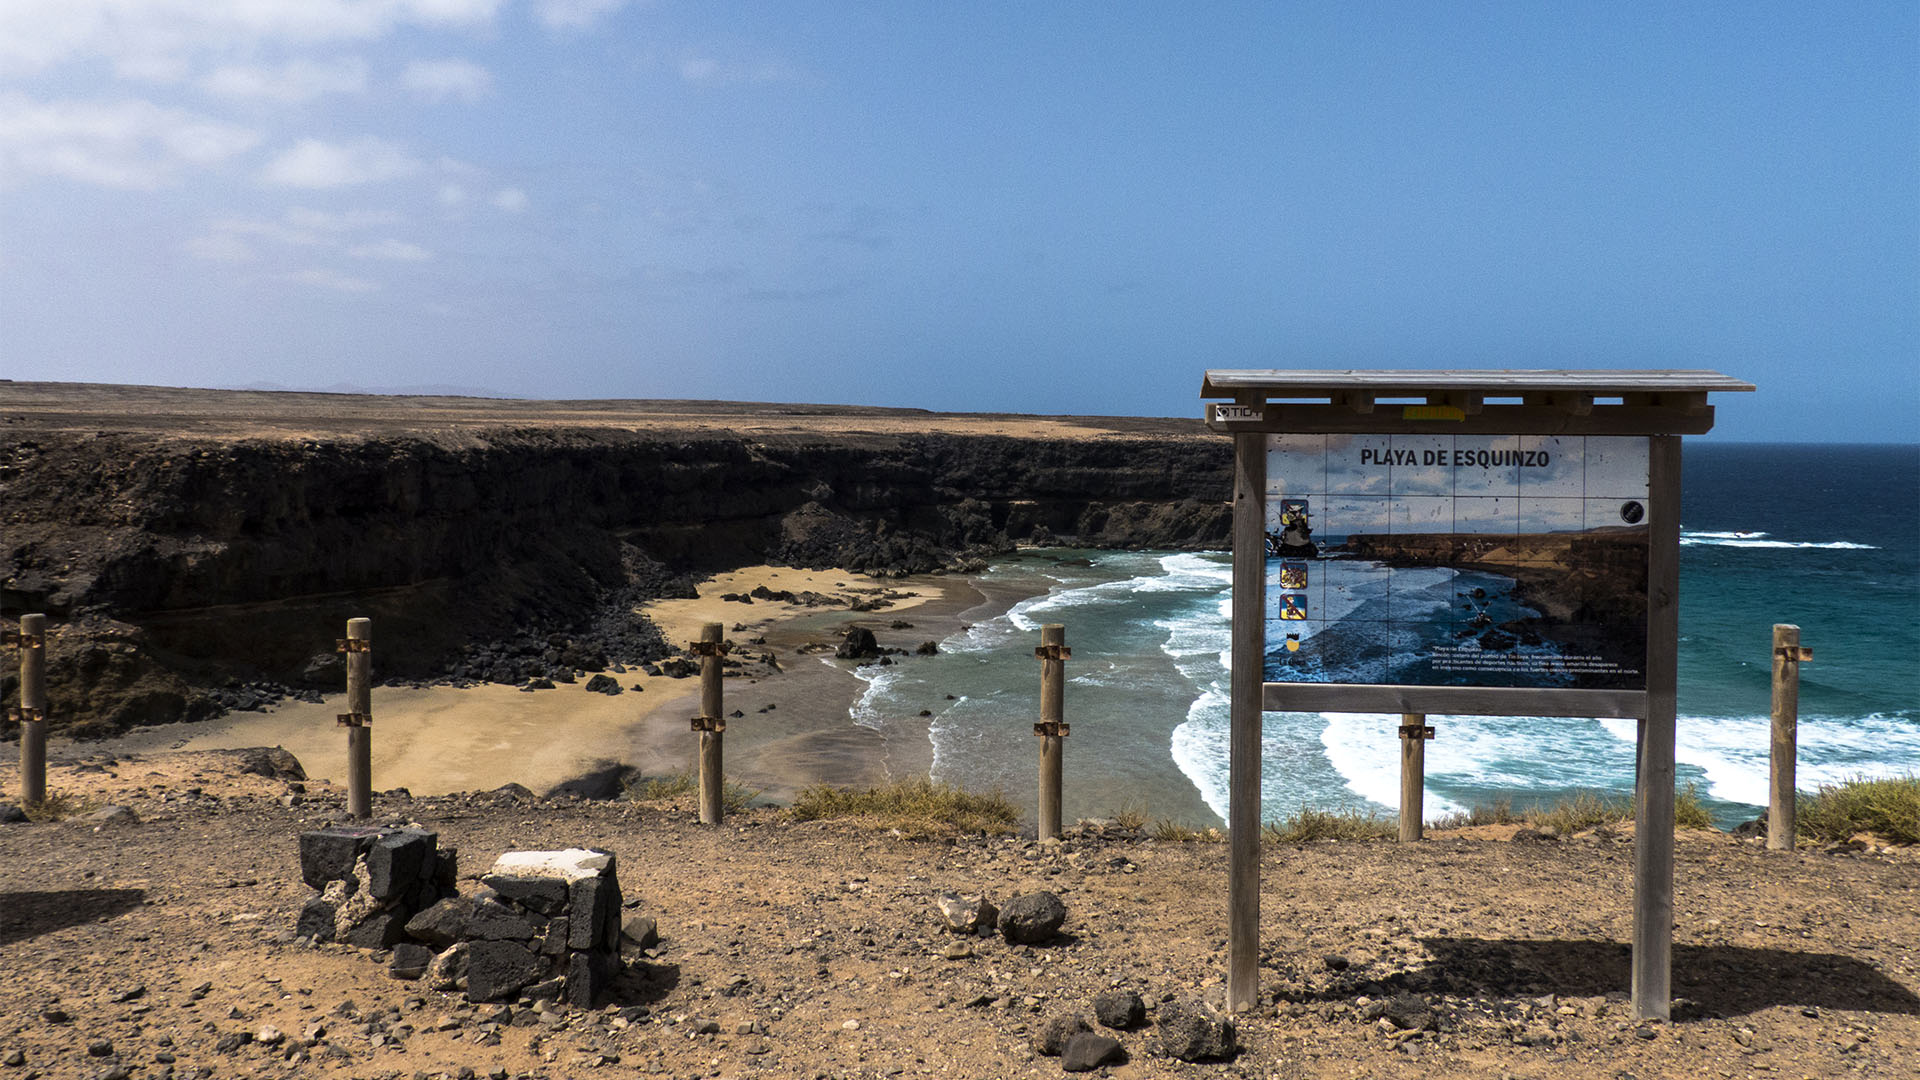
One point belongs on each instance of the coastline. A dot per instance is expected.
(794, 729)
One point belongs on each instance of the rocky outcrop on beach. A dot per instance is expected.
(198, 550)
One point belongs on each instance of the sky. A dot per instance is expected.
(1070, 207)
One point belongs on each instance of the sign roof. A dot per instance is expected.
(1386, 383)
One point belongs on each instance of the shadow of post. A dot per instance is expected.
(1725, 980)
(29, 914)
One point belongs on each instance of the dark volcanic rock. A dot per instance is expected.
(442, 924)
(1192, 1031)
(1089, 1050)
(542, 894)
(1032, 919)
(498, 970)
(859, 644)
(410, 961)
(1120, 1009)
(1051, 1036)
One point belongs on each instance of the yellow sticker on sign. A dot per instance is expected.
(1432, 412)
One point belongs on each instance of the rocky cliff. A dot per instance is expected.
(204, 563)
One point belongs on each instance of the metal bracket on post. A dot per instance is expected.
(709, 648)
(19, 640)
(1052, 652)
(1059, 728)
(354, 719)
(1796, 653)
(20, 715)
(350, 645)
(714, 724)
(1416, 731)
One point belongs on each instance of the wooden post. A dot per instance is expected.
(1785, 749)
(359, 717)
(711, 723)
(1246, 683)
(1653, 797)
(33, 708)
(1414, 733)
(1053, 683)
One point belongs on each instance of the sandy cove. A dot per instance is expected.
(794, 729)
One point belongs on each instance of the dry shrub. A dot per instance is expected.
(58, 806)
(1888, 808)
(734, 796)
(1309, 825)
(917, 807)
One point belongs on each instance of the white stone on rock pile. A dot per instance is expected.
(569, 865)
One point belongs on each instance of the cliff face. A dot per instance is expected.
(170, 565)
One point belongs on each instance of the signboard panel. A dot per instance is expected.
(1457, 560)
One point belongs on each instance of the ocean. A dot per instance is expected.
(1825, 537)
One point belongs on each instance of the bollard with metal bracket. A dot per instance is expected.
(1052, 728)
(358, 719)
(1414, 733)
(711, 724)
(1788, 655)
(31, 715)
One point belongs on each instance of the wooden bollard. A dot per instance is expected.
(711, 723)
(1052, 729)
(358, 719)
(1414, 733)
(1785, 748)
(33, 709)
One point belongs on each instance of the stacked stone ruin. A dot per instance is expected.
(547, 925)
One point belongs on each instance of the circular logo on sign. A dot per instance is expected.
(1632, 512)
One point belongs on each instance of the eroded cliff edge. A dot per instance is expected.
(184, 543)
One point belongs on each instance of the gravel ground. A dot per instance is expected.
(163, 946)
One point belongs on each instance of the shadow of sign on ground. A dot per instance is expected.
(1723, 980)
(25, 915)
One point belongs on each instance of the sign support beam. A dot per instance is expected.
(1653, 812)
(1243, 776)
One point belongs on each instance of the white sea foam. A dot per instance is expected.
(868, 712)
(1732, 751)
(1760, 540)
(1199, 747)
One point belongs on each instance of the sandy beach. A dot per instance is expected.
(793, 727)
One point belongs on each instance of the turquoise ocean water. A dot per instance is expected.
(1827, 537)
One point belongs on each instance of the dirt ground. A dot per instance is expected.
(164, 946)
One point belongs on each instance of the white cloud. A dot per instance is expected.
(452, 195)
(340, 221)
(121, 144)
(233, 239)
(440, 80)
(153, 38)
(512, 200)
(391, 250)
(219, 247)
(294, 82)
(330, 279)
(573, 14)
(710, 71)
(313, 163)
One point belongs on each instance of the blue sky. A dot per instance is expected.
(1069, 207)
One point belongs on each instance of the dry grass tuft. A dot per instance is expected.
(58, 806)
(1888, 808)
(916, 807)
(734, 797)
(1308, 825)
